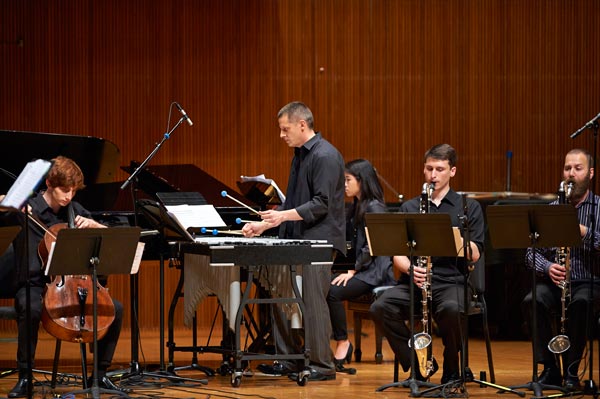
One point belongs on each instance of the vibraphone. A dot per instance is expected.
(212, 265)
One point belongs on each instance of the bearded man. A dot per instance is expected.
(578, 170)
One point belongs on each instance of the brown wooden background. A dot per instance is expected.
(386, 79)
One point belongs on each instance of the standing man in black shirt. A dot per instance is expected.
(313, 209)
(391, 310)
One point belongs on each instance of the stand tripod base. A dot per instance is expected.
(137, 372)
(96, 391)
(538, 389)
(482, 384)
(195, 366)
(413, 384)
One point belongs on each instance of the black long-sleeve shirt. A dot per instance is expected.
(316, 190)
(452, 205)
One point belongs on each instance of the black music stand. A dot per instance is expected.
(170, 230)
(410, 234)
(7, 235)
(534, 226)
(92, 251)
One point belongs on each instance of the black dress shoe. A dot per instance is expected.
(276, 368)
(105, 383)
(20, 389)
(314, 376)
(550, 376)
(450, 376)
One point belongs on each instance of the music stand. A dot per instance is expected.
(533, 226)
(410, 234)
(92, 251)
(170, 230)
(7, 235)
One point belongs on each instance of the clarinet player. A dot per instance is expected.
(391, 311)
(578, 171)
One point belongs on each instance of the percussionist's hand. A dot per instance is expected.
(272, 217)
(254, 229)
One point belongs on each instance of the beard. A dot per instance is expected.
(579, 188)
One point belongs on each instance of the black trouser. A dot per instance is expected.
(317, 330)
(577, 324)
(106, 346)
(391, 311)
(335, 299)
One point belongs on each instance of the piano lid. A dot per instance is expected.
(185, 177)
(98, 159)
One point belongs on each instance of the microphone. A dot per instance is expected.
(187, 118)
(589, 125)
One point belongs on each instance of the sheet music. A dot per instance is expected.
(263, 179)
(195, 216)
(52, 245)
(458, 241)
(28, 180)
(137, 259)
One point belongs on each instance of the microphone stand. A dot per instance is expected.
(399, 196)
(589, 386)
(134, 282)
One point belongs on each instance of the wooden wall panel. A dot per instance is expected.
(386, 79)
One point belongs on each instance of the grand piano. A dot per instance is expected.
(99, 160)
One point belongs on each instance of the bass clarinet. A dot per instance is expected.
(561, 343)
(422, 340)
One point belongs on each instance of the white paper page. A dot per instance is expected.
(137, 258)
(196, 216)
(458, 242)
(27, 181)
(52, 245)
(263, 179)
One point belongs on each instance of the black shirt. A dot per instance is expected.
(316, 190)
(452, 205)
(45, 214)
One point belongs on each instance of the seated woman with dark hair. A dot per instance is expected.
(362, 185)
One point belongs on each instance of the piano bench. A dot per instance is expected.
(360, 309)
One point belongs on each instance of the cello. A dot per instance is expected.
(67, 310)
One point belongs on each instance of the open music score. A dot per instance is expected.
(195, 216)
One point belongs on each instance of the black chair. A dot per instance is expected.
(478, 306)
(360, 310)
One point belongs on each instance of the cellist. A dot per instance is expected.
(51, 207)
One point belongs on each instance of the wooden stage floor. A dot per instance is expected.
(512, 363)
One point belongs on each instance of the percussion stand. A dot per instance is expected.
(534, 226)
